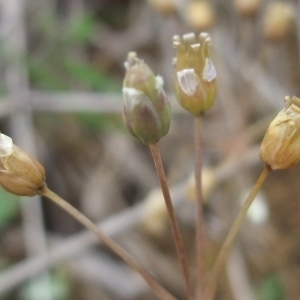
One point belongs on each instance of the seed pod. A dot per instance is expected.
(195, 74)
(280, 146)
(20, 173)
(146, 109)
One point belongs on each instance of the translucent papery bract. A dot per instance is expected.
(6, 145)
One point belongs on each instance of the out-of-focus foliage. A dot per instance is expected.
(80, 29)
(60, 287)
(62, 67)
(271, 289)
(91, 77)
(9, 207)
(67, 64)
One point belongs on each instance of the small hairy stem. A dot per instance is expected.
(157, 288)
(174, 225)
(223, 254)
(200, 237)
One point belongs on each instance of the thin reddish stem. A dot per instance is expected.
(200, 235)
(157, 288)
(174, 224)
(223, 254)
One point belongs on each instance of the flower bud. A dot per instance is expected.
(278, 19)
(146, 109)
(195, 74)
(20, 173)
(280, 148)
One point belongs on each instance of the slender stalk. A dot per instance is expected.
(223, 254)
(200, 237)
(174, 225)
(157, 288)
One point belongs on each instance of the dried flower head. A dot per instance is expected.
(146, 109)
(195, 73)
(20, 173)
(280, 148)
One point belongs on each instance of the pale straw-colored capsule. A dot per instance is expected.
(280, 148)
(20, 173)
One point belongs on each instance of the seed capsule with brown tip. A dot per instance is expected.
(20, 173)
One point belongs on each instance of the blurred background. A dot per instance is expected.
(61, 72)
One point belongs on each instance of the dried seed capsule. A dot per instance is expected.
(280, 148)
(146, 109)
(20, 173)
(195, 74)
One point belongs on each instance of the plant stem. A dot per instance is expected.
(174, 224)
(157, 288)
(223, 254)
(200, 237)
